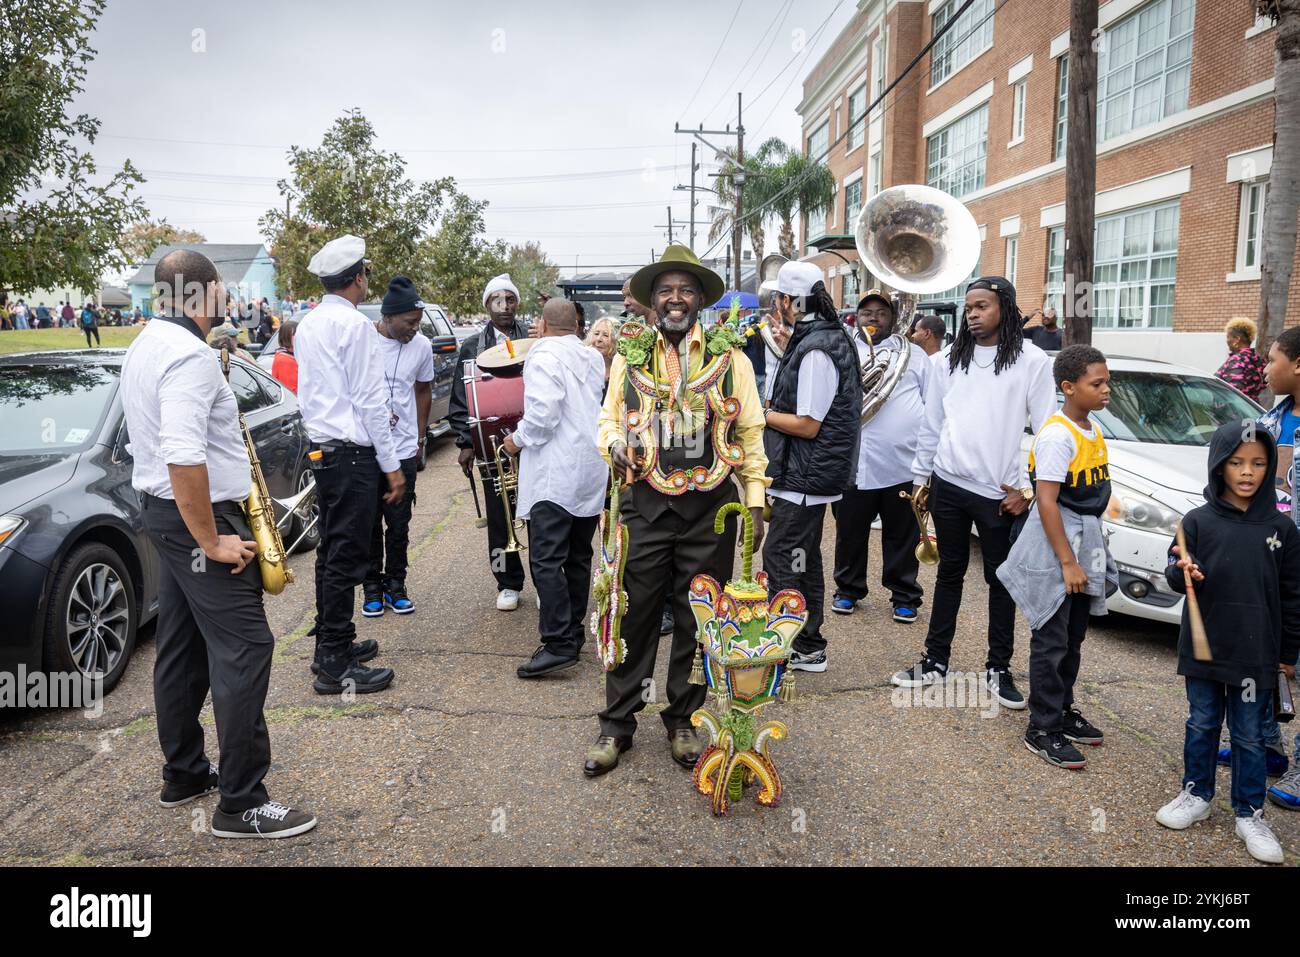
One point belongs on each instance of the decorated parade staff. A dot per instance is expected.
(501, 299)
(882, 479)
(681, 416)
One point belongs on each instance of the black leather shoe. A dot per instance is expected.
(357, 679)
(602, 757)
(685, 746)
(362, 651)
(545, 662)
(666, 623)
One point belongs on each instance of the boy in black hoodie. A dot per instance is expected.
(1244, 560)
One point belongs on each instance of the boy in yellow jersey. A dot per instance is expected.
(1059, 569)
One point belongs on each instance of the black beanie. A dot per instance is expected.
(402, 296)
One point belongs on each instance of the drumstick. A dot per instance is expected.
(1200, 641)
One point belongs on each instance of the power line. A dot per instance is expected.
(816, 33)
(285, 146)
(709, 69)
(752, 53)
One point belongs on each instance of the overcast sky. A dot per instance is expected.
(493, 92)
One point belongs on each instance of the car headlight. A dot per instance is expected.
(1134, 510)
(10, 525)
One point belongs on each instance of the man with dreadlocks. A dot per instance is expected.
(968, 460)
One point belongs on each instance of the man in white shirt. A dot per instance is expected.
(562, 481)
(811, 441)
(192, 471)
(344, 404)
(408, 377)
(501, 299)
(883, 478)
(968, 452)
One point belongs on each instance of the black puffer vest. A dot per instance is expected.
(823, 465)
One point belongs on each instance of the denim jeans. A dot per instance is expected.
(1208, 702)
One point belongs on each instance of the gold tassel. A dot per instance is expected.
(697, 669)
(787, 688)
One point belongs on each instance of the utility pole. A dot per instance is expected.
(738, 178)
(693, 169)
(669, 225)
(1080, 174)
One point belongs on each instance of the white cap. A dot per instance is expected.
(794, 279)
(337, 255)
(499, 283)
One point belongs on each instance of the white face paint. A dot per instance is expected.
(500, 300)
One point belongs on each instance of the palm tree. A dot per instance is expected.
(757, 175)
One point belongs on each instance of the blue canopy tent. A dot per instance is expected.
(747, 300)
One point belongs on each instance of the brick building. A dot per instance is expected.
(1185, 126)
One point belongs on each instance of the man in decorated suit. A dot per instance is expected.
(682, 417)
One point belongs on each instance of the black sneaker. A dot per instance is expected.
(269, 821)
(545, 662)
(1052, 747)
(357, 679)
(174, 795)
(1004, 689)
(362, 651)
(1077, 729)
(814, 661)
(395, 597)
(927, 671)
(666, 623)
(372, 601)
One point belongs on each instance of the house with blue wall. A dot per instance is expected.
(247, 268)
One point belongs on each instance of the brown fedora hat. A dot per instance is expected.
(676, 258)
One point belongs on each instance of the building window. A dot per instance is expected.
(849, 293)
(876, 172)
(1142, 71)
(857, 117)
(970, 36)
(819, 143)
(1017, 113)
(1013, 250)
(878, 64)
(1062, 105)
(1250, 227)
(852, 204)
(955, 156)
(1135, 255)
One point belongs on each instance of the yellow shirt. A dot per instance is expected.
(748, 425)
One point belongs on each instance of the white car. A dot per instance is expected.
(1157, 427)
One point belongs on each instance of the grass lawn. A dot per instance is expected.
(40, 340)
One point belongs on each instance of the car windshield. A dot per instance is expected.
(1169, 408)
(52, 408)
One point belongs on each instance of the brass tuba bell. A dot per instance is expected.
(767, 270)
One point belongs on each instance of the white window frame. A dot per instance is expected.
(875, 173)
(1061, 129)
(1115, 90)
(1012, 258)
(857, 127)
(1246, 237)
(1018, 97)
(851, 216)
(947, 179)
(955, 50)
(815, 224)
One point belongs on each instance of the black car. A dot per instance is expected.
(435, 327)
(79, 576)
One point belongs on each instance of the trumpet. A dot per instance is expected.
(927, 547)
(506, 483)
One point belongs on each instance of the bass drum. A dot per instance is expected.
(496, 404)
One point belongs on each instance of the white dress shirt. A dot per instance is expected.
(818, 382)
(888, 442)
(559, 462)
(341, 389)
(180, 411)
(405, 364)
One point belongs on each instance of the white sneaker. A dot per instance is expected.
(507, 599)
(1260, 841)
(1184, 810)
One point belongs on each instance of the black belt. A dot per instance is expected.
(170, 503)
(338, 445)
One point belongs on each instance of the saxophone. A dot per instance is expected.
(272, 557)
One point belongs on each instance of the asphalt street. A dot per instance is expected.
(460, 762)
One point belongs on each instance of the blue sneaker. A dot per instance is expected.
(372, 605)
(395, 598)
(904, 614)
(843, 606)
(1286, 792)
(1275, 762)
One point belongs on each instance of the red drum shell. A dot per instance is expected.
(496, 404)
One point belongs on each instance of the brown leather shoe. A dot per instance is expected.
(686, 747)
(602, 756)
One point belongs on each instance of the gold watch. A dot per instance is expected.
(1027, 493)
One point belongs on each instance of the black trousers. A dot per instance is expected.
(1054, 655)
(506, 566)
(388, 552)
(898, 537)
(559, 558)
(89, 331)
(954, 510)
(792, 558)
(211, 635)
(347, 490)
(663, 557)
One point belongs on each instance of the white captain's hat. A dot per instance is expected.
(337, 256)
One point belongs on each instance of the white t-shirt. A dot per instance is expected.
(1054, 450)
(888, 443)
(404, 365)
(818, 382)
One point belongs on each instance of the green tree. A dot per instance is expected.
(348, 185)
(139, 241)
(533, 274)
(57, 228)
(757, 170)
(796, 184)
(455, 263)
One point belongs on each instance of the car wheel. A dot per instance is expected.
(92, 618)
(312, 538)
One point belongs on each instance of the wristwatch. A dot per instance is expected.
(1027, 493)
